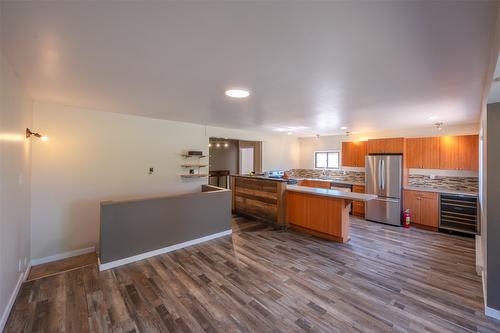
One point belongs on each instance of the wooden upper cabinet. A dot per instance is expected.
(423, 153)
(353, 153)
(386, 146)
(459, 152)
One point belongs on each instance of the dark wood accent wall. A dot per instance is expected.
(260, 198)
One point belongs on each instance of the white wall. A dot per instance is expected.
(15, 116)
(309, 145)
(93, 156)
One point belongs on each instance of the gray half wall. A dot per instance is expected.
(493, 206)
(130, 228)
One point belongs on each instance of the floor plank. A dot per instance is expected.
(385, 279)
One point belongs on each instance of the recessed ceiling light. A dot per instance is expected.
(343, 128)
(289, 133)
(237, 93)
(433, 117)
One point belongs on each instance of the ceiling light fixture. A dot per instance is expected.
(289, 133)
(237, 93)
(226, 145)
(343, 128)
(217, 145)
(433, 117)
(29, 133)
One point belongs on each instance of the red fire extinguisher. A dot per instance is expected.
(406, 218)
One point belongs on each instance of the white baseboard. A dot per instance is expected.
(490, 312)
(124, 261)
(13, 296)
(493, 313)
(63, 255)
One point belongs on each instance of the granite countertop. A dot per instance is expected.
(440, 190)
(331, 193)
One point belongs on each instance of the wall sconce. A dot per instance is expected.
(29, 133)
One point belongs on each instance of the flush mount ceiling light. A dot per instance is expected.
(237, 93)
(29, 133)
(343, 128)
(433, 117)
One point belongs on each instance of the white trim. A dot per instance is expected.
(13, 296)
(63, 255)
(124, 261)
(493, 313)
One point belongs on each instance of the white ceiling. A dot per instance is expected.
(313, 66)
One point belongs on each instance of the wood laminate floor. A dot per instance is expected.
(259, 280)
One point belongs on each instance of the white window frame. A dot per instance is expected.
(327, 151)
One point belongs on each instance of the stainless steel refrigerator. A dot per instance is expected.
(384, 177)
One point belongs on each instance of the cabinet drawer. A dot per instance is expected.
(358, 188)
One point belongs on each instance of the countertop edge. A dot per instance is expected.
(331, 193)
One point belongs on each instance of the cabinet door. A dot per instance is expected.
(359, 159)
(429, 211)
(469, 152)
(449, 153)
(414, 153)
(430, 150)
(348, 154)
(412, 202)
(385, 146)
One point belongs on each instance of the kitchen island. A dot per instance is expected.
(321, 212)
(260, 198)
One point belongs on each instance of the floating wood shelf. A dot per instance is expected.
(194, 165)
(196, 175)
(199, 156)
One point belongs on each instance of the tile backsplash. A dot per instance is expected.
(347, 176)
(469, 184)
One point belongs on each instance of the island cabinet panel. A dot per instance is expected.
(424, 208)
(386, 146)
(358, 207)
(324, 216)
(260, 199)
(353, 153)
(423, 153)
(459, 152)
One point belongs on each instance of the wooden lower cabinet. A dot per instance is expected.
(358, 207)
(315, 183)
(424, 208)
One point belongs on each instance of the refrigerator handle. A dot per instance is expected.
(382, 175)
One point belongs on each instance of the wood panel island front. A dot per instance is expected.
(319, 211)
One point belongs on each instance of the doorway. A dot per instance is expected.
(246, 160)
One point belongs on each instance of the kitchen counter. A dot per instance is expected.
(331, 193)
(321, 212)
(261, 177)
(440, 190)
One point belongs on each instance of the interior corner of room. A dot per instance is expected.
(261, 181)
